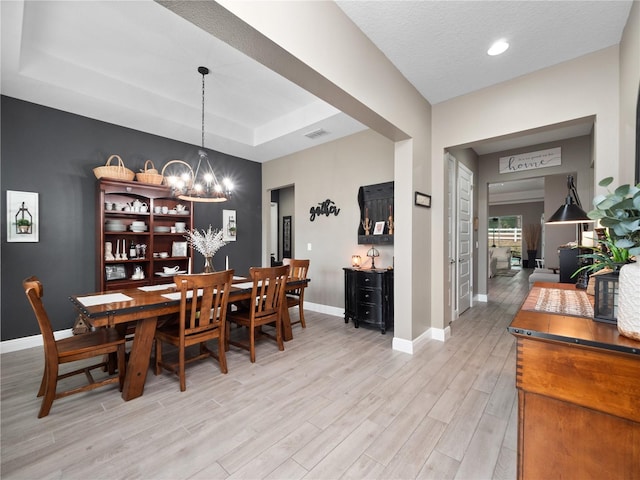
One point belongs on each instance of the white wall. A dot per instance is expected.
(629, 86)
(332, 171)
(587, 86)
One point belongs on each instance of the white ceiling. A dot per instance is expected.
(520, 191)
(134, 63)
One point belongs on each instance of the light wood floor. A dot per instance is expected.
(337, 403)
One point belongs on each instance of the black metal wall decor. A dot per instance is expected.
(376, 211)
(328, 207)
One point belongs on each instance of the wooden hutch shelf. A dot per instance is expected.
(118, 273)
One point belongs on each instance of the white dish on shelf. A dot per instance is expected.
(162, 274)
(161, 229)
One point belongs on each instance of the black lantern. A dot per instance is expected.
(24, 220)
(606, 301)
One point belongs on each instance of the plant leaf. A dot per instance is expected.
(605, 182)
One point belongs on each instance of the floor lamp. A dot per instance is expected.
(572, 213)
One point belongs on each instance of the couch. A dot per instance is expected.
(543, 275)
(502, 255)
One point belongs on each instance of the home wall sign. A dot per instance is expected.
(328, 207)
(531, 161)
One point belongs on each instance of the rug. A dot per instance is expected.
(506, 273)
(565, 302)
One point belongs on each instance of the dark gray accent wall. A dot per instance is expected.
(53, 153)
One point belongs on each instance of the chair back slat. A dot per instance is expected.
(204, 297)
(34, 291)
(268, 289)
(299, 270)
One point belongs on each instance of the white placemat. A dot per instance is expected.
(176, 295)
(92, 300)
(152, 288)
(243, 285)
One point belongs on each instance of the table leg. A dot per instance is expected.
(139, 358)
(287, 334)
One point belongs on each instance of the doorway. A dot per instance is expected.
(506, 231)
(281, 238)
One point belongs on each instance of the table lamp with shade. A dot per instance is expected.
(373, 253)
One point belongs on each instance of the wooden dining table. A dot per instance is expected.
(143, 306)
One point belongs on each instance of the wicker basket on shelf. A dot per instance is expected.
(117, 172)
(149, 175)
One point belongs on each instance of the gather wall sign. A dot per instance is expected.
(328, 207)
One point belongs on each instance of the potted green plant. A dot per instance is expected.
(619, 212)
(23, 225)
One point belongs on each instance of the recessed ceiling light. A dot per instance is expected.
(498, 47)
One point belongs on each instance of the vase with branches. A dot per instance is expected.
(207, 242)
(531, 236)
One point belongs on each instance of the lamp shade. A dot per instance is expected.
(569, 213)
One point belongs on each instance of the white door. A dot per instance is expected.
(465, 237)
(452, 237)
(272, 248)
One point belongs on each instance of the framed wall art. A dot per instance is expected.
(286, 236)
(379, 228)
(423, 200)
(229, 225)
(23, 223)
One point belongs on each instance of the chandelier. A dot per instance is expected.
(201, 185)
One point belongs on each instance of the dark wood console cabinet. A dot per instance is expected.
(578, 387)
(368, 297)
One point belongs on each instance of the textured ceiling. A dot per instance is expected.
(133, 63)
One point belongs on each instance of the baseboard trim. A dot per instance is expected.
(399, 344)
(326, 309)
(30, 342)
(482, 297)
(411, 346)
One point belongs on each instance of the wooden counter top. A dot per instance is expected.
(566, 328)
(578, 385)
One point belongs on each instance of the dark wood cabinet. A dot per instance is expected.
(120, 225)
(568, 264)
(368, 297)
(578, 396)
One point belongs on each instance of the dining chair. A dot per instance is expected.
(298, 271)
(100, 343)
(264, 308)
(199, 322)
